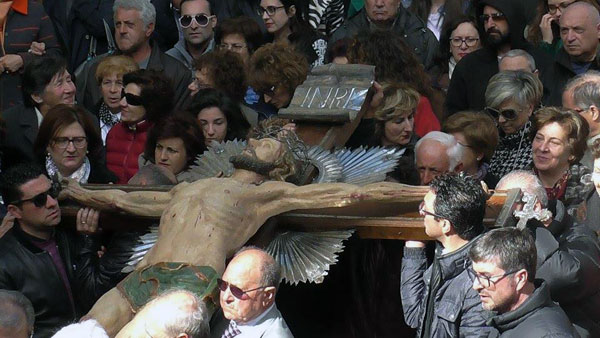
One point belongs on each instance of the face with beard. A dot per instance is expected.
(260, 156)
(496, 27)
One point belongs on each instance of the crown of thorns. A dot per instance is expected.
(289, 138)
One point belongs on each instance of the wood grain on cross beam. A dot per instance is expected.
(374, 220)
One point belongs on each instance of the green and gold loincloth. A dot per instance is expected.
(141, 286)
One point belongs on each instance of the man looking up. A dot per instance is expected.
(197, 23)
(438, 301)
(134, 24)
(503, 22)
(390, 15)
(252, 311)
(504, 262)
(437, 153)
(579, 31)
(568, 255)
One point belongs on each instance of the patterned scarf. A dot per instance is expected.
(107, 117)
(81, 175)
(513, 152)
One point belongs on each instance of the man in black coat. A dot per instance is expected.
(579, 31)
(503, 272)
(134, 24)
(390, 15)
(503, 22)
(38, 258)
(568, 256)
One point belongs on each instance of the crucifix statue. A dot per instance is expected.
(204, 222)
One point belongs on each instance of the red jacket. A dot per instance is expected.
(425, 119)
(123, 147)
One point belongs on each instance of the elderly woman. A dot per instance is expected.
(478, 134)
(174, 143)
(219, 117)
(511, 97)
(394, 126)
(68, 145)
(241, 35)
(146, 98)
(558, 145)
(109, 75)
(275, 72)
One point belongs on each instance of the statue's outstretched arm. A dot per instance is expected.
(140, 203)
(285, 197)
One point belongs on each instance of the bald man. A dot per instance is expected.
(247, 298)
(579, 31)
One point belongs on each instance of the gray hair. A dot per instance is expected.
(454, 150)
(512, 249)
(191, 320)
(522, 87)
(521, 53)
(145, 7)
(89, 329)
(585, 89)
(525, 180)
(13, 300)
(270, 269)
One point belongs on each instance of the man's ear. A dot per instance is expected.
(521, 277)
(214, 22)
(446, 227)
(15, 211)
(291, 11)
(183, 335)
(149, 29)
(595, 113)
(269, 297)
(37, 98)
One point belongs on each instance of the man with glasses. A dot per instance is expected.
(503, 273)
(438, 300)
(248, 288)
(134, 23)
(504, 22)
(38, 258)
(568, 255)
(579, 31)
(197, 23)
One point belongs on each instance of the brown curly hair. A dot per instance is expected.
(277, 65)
(226, 71)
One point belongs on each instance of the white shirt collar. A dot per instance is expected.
(39, 115)
(250, 328)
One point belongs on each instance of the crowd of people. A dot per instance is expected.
(504, 92)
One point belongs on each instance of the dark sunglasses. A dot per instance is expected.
(508, 114)
(494, 16)
(132, 99)
(235, 291)
(201, 19)
(40, 199)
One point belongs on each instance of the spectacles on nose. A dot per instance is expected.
(508, 114)
(487, 281)
(458, 41)
(562, 6)
(202, 20)
(40, 199)
(63, 142)
(494, 16)
(236, 47)
(424, 212)
(235, 291)
(132, 99)
(270, 10)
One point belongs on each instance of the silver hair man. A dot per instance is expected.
(527, 181)
(517, 59)
(16, 315)
(145, 7)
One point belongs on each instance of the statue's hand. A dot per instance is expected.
(70, 188)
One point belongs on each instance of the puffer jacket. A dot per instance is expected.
(537, 317)
(123, 146)
(413, 29)
(457, 310)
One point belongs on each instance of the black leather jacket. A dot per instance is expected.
(26, 268)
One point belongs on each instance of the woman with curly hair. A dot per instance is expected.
(241, 35)
(275, 72)
(147, 97)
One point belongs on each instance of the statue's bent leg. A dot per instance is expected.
(112, 311)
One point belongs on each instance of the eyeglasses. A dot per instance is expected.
(458, 41)
(236, 47)
(424, 212)
(235, 291)
(202, 20)
(487, 281)
(508, 114)
(271, 10)
(40, 199)
(494, 16)
(132, 99)
(553, 8)
(63, 142)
